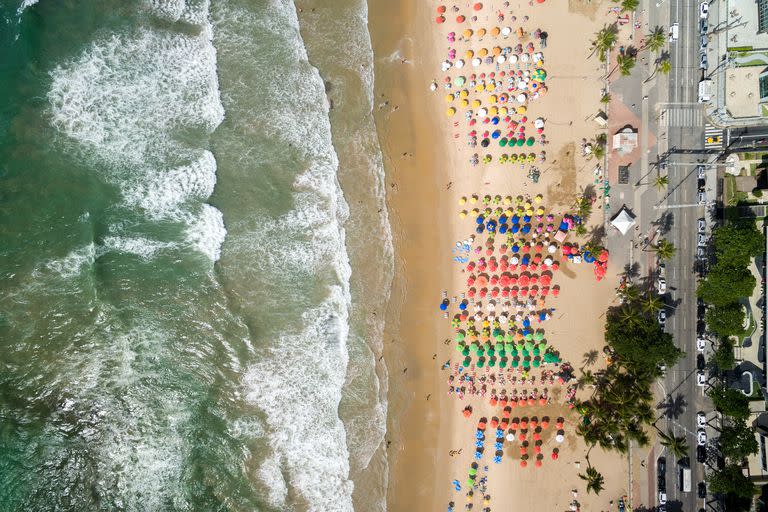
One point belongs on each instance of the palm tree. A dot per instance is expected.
(661, 181)
(605, 98)
(629, 5)
(629, 315)
(655, 40)
(652, 303)
(630, 293)
(594, 479)
(665, 249)
(678, 446)
(663, 66)
(625, 64)
(605, 39)
(587, 379)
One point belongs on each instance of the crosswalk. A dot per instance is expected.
(713, 137)
(683, 115)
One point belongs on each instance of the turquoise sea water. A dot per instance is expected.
(187, 293)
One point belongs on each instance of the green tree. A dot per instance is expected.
(604, 41)
(677, 445)
(723, 357)
(737, 440)
(656, 39)
(595, 481)
(664, 66)
(737, 242)
(664, 249)
(726, 284)
(629, 5)
(642, 345)
(661, 181)
(652, 303)
(605, 98)
(726, 320)
(732, 481)
(731, 402)
(625, 63)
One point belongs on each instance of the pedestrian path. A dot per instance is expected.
(713, 137)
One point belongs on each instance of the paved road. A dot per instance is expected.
(754, 138)
(685, 133)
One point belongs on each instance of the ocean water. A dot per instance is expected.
(195, 257)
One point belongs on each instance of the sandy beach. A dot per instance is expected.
(427, 159)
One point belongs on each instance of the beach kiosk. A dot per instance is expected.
(623, 221)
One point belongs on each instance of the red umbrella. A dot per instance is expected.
(523, 450)
(514, 425)
(537, 449)
(559, 425)
(554, 455)
(556, 291)
(460, 19)
(533, 423)
(441, 9)
(495, 292)
(440, 19)
(521, 437)
(477, 6)
(538, 462)
(494, 423)
(493, 401)
(505, 292)
(513, 292)
(544, 424)
(471, 292)
(534, 279)
(470, 281)
(470, 265)
(484, 292)
(524, 292)
(531, 401)
(481, 425)
(494, 279)
(526, 249)
(523, 463)
(506, 413)
(536, 436)
(555, 265)
(523, 424)
(467, 412)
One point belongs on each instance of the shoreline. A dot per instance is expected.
(421, 158)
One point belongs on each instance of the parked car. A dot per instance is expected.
(701, 172)
(701, 344)
(703, 41)
(703, 10)
(662, 317)
(701, 224)
(701, 490)
(701, 379)
(700, 253)
(661, 284)
(701, 197)
(701, 437)
(662, 498)
(662, 269)
(701, 240)
(703, 26)
(661, 467)
(701, 362)
(701, 184)
(703, 61)
(701, 419)
(701, 454)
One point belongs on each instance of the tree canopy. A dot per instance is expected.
(729, 401)
(737, 440)
(723, 357)
(726, 283)
(737, 242)
(732, 481)
(726, 320)
(641, 345)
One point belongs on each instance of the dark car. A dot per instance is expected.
(701, 454)
(703, 26)
(701, 490)
(701, 183)
(701, 363)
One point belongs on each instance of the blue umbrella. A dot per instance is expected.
(479, 444)
(515, 228)
(502, 228)
(496, 134)
(526, 323)
(497, 459)
(542, 316)
(480, 219)
(478, 455)
(497, 446)
(563, 226)
(515, 219)
(526, 218)
(456, 485)
(499, 434)
(502, 219)
(526, 260)
(444, 305)
(526, 228)
(479, 435)
(490, 225)
(495, 120)
(515, 248)
(479, 229)
(463, 306)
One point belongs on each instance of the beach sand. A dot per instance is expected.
(422, 159)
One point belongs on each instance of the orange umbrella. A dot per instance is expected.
(460, 19)
(467, 413)
(441, 9)
(477, 6)
(495, 31)
(440, 19)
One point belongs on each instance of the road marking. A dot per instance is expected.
(688, 115)
(716, 134)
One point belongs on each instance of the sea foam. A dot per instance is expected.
(124, 100)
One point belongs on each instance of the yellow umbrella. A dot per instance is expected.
(483, 52)
(493, 98)
(476, 103)
(464, 93)
(464, 103)
(475, 211)
(463, 214)
(508, 212)
(503, 111)
(462, 200)
(527, 205)
(480, 87)
(481, 32)
(491, 86)
(470, 54)
(521, 110)
(448, 98)
(468, 33)
(473, 199)
(507, 201)
(451, 111)
(538, 199)
(488, 211)
(495, 31)
(540, 211)
(493, 111)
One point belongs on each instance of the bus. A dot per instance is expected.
(685, 479)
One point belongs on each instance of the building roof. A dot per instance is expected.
(746, 183)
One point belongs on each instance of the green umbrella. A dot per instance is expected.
(520, 142)
(459, 81)
(480, 363)
(528, 346)
(515, 363)
(526, 363)
(459, 336)
(538, 336)
(514, 352)
(480, 352)
(472, 471)
(525, 353)
(530, 142)
(503, 141)
(536, 352)
(465, 352)
(511, 142)
(491, 352)
(536, 363)
(492, 362)
(509, 347)
(466, 362)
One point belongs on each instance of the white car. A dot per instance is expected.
(701, 419)
(701, 379)
(701, 437)
(703, 10)
(701, 344)
(662, 285)
(662, 268)
(662, 498)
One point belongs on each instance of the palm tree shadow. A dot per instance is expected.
(664, 223)
(632, 271)
(673, 408)
(590, 358)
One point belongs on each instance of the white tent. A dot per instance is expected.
(623, 220)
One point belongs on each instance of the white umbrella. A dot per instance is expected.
(433, 86)
(513, 58)
(501, 59)
(459, 64)
(506, 31)
(521, 98)
(548, 261)
(476, 61)
(559, 438)
(510, 437)
(482, 112)
(539, 123)
(538, 56)
(551, 250)
(446, 65)
(514, 260)
(524, 57)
